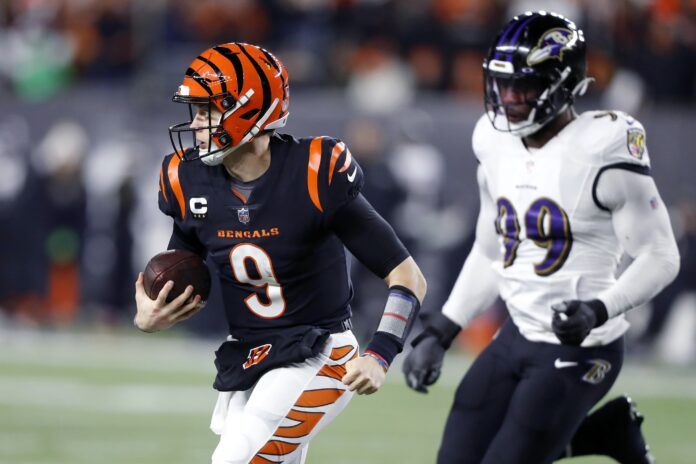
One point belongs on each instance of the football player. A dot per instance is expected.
(562, 195)
(273, 213)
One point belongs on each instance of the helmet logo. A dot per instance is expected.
(552, 45)
(210, 76)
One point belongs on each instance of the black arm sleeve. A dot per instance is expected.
(368, 236)
(180, 240)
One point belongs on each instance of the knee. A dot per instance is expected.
(242, 439)
(233, 449)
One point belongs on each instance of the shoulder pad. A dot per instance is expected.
(481, 137)
(612, 137)
(627, 142)
(171, 195)
(333, 175)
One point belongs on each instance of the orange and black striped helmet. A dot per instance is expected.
(246, 83)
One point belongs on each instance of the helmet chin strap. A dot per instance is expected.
(216, 158)
(581, 88)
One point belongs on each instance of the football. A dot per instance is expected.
(182, 267)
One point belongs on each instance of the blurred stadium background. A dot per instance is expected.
(86, 91)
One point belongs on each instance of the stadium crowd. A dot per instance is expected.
(63, 208)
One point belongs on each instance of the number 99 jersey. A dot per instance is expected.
(556, 239)
(278, 262)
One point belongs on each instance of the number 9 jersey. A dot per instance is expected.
(556, 239)
(279, 263)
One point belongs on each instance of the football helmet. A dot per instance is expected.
(243, 82)
(539, 59)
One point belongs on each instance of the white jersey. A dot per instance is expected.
(556, 239)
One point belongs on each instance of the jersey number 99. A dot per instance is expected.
(546, 224)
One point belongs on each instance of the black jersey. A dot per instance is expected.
(278, 261)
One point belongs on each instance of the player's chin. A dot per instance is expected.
(516, 117)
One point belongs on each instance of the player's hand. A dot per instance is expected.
(364, 375)
(423, 364)
(154, 315)
(574, 319)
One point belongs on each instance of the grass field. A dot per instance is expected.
(146, 399)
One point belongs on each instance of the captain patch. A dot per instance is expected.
(635, 141)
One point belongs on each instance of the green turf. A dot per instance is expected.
(74, 400)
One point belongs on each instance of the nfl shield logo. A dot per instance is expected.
(243, 215)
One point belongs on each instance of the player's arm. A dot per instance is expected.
(642, 225)
(153, 315)
(181, 240)
(156, 314)
(375, 244)
(474, 291)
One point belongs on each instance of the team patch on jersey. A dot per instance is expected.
(635, 140)
(551, 45)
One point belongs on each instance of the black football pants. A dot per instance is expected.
(521, 401)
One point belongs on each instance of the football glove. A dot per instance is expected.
(423, 364)
(574, 319)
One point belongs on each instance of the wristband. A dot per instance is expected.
(382, 362)
(400, 312)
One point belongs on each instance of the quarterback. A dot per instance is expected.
(273, 214)
(562, 196)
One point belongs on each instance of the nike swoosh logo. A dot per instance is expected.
(351, 177)
(558, 364)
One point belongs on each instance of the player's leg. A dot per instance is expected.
(480, 403)
(277, 417)
(560, 385)
(320, 403)
(612, 430)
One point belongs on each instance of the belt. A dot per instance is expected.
(341, 326)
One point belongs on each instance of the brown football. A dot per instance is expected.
(183, 267)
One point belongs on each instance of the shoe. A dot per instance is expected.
(623, 438)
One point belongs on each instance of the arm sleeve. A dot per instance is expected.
(642, 226)
(368, 236)
(477, 285)
(180, 240)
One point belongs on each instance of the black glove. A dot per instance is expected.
(423, 364)
(574, 319)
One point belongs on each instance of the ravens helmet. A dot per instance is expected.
(246, 84)
(533, 72)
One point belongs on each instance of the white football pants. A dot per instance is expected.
(274, 421)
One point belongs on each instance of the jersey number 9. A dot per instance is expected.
(266, 280)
